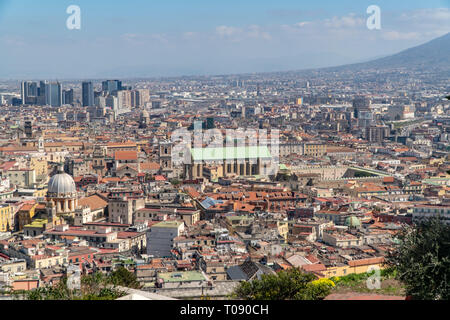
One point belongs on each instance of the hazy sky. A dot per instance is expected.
(137, 38)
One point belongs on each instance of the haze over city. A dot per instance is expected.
(172, 38)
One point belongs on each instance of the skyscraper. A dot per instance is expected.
(360, 103)
(41, 93)
(29, 92)
(111, 86)
(53, 94)
(33, 89)
(24, 91)
(362, 112)
(68, 96)
(88, 94)
(124, 99)
(140, 97)
(112, 102)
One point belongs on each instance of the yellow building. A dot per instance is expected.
(355, 266)
(64, 146)
(25, 215)
(6, 218)
(213, 173)
(35, 228)
(283, 229)
(46, 261)
(437, 161)
(14, 267)
(39, 165)
(312, 149)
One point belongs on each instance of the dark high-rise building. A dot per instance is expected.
(210, 123)
(111, 86)
(33, 89)
(87, 94)
(135, 99)
(28, 128)
(29, 92)
(40, 100)
(16, 102)
(53, 94)
(68, 96)
(156, 104)
(41, 91)
(360, 104)
(362, 112)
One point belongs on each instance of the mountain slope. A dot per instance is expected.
(433, 55)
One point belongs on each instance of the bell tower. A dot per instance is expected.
(165, 157)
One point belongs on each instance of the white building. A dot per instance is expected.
(5, 185)
(421, 212)
(83, 215)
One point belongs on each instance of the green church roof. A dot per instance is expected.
(352, 222)
(230, 153)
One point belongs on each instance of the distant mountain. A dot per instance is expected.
(433, 55)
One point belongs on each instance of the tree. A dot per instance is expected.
(93, 287)
(316, 290)
(285, 285)
(123, 277)
(422, 260)
(362, 174)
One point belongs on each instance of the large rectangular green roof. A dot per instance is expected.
(38, 223)
(181, 276)
(230, 153)
(168, 224)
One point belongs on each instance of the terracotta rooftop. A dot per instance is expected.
(94, 202)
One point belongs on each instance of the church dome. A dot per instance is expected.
(61, 185)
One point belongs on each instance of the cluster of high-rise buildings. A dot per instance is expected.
(112, 94)
(44, 93)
